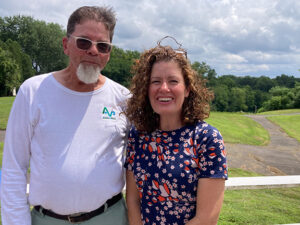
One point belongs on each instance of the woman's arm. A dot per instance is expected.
(132, 200)
(210, 195)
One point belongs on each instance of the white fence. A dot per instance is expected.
(262, 182)
(235, 183)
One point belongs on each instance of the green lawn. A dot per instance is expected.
(278, 112)
(237, 128)
(5, 106)
(261, 206)
(289, 123)
(237, 172)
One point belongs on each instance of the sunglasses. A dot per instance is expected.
(179, 50)
(85, 44)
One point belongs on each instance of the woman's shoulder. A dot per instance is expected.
(204, 125)
(205, 128)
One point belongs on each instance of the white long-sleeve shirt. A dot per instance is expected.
(74, 143)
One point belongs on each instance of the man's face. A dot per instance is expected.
(94, 31)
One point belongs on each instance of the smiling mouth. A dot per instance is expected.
(164, 99)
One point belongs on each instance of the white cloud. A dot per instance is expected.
(233, 36)
(246, 68)
(233, 58)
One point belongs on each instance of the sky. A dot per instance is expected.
(238, 37)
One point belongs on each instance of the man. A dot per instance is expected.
(69, 127)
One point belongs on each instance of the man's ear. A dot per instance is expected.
(65, 41)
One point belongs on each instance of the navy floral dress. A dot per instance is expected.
(167, 166)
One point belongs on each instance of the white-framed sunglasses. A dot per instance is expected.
(85, 44)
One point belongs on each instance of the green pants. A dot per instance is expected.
(116, 214)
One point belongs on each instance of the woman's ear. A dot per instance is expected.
(186, 92)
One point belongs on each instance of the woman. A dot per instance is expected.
(176, 163)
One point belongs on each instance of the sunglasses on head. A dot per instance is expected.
(85, 44)
(179, 50)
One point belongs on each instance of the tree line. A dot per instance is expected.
(250, 94)
(30, 47)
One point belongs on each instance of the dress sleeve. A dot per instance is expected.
(212, 154)
(130, 150)
(14, 203)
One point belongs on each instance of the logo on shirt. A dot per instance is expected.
(108, 114)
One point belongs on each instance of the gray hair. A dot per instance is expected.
(105, 15)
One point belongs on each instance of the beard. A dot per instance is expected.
(88, 74)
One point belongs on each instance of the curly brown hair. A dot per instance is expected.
(139, 111)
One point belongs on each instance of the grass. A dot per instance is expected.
(260, 206)
(5, 106)
(237, 172)
(237, 128)
(289, 123)
(279, 112)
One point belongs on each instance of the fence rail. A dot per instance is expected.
(262, 182)
(236, 183)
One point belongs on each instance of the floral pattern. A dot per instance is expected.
(167, 166)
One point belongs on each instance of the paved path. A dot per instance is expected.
(2, 135)
(280, 157)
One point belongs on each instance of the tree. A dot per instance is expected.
(264, 83)
(205, 71)
(10, 75)
(260, 98)
(237, 100)
(286, 96)
(49, 55)
(22, 59)
(201, 68)
(281, 98)
(228, 80)
(297, 95)
(41, 41)
(119, 65)
(285, 81)
(221, 99)
(250, 99)
(247, 81)
(274, 103)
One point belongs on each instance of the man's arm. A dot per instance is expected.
(14, 203)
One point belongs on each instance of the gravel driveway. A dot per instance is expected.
(280, 157)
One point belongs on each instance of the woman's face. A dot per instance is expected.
(167, 89)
